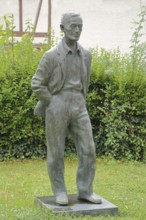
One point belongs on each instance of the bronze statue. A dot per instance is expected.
(61, 82)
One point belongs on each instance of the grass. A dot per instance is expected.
(122, 183)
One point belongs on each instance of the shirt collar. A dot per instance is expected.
(68, 50)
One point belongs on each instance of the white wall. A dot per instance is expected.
(107, 23)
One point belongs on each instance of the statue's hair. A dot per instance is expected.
(67, 16)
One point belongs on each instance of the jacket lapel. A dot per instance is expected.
(83, 70)
(62, 58)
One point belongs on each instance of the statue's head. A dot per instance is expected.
(71, 25)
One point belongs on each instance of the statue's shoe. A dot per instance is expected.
(62, 199)
(93, 198)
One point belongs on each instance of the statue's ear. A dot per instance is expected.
(62, 27)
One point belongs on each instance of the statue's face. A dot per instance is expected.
(73, 28)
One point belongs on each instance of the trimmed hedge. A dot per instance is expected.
(116, 101)
(117, 106)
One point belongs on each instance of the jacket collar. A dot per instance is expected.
(63, 49)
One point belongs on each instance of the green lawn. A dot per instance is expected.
(122, 183)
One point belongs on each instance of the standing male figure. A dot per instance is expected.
(60, 83)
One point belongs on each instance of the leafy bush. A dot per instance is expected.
(116, 103)
(21, 134)
(116, 100)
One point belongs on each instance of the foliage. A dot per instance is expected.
(116, 103)
(21, 134)
(116, 100)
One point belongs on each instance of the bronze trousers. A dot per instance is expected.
(67, 113)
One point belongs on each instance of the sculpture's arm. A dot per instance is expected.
(40, 80)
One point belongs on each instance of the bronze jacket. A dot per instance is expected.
(50, 75)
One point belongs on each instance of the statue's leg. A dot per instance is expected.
(83, 138)
(56, 125)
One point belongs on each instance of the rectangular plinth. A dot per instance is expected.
(78, 207)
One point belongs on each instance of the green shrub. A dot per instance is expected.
(116, 104)
(116, 100)
(21, 134)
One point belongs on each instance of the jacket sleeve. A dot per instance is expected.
(39, 83)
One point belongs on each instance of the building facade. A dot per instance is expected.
(107, 23)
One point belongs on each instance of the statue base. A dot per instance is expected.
(77, 207)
